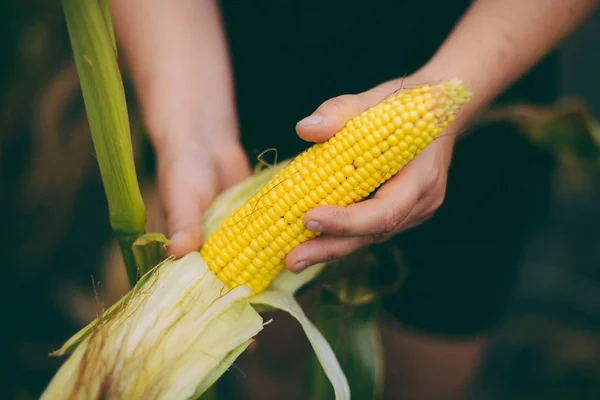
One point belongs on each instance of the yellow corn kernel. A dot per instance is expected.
(348, 167)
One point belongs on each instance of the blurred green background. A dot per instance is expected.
(55, 232)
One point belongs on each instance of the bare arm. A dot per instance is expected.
(177, 53)
(497, 41)
(178, 56)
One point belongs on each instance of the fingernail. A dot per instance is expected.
(314, 226)
(311, 120)
(300, 266)
(173, 245)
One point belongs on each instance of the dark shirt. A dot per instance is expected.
(290, 56)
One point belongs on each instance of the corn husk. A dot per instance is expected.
(179, 326)
(179, 329)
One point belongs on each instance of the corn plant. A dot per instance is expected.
(185, 321)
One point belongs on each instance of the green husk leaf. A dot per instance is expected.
(290, 282)
(93, 47)
(347, 316)
(203, 390)
(71, 344)
(280, 295)
(172, 339)
(353, 334)
(224, 205)
(74, 341)
(235, 196)
(149, 250)
(286, 302)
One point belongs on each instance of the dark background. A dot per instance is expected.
(55, 232)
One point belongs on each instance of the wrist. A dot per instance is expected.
(179, 125)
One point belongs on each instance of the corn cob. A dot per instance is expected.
(250, 245)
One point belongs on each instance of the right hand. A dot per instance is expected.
(192, 171)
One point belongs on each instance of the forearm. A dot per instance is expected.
(497, 41)
(178, 56)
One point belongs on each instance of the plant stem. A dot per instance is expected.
(105, 7)
(90, 32)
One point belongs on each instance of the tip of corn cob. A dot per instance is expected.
(444, 100)
(250, 245)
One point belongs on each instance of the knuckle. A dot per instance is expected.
(439, 199)
(340, 103)
(340, 213)
(432, 210)
(388, 223)
(392, 216)
(340, 220)
(329, 254)
(432, 179)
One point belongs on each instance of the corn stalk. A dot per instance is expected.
(92, 40)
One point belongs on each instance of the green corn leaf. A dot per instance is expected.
(285, 301)
(149, 250)
(105, 5)
(347, 312)
(352, 332)
(92, 40)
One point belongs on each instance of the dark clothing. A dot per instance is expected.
(290, 56)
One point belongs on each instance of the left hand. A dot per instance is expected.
(408, 199)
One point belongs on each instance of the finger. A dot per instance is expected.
(330, 248)
(382, 214)
(185, 241)
(187, 186)
(418, 215)
(391, 206)
(331, 116)
(323, 249)
(232, 164)
(424, 210)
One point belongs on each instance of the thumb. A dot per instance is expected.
(186, 187)
(331, 116)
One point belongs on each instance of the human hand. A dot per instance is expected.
(186, 96)
(408, 199)
(192, 171)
